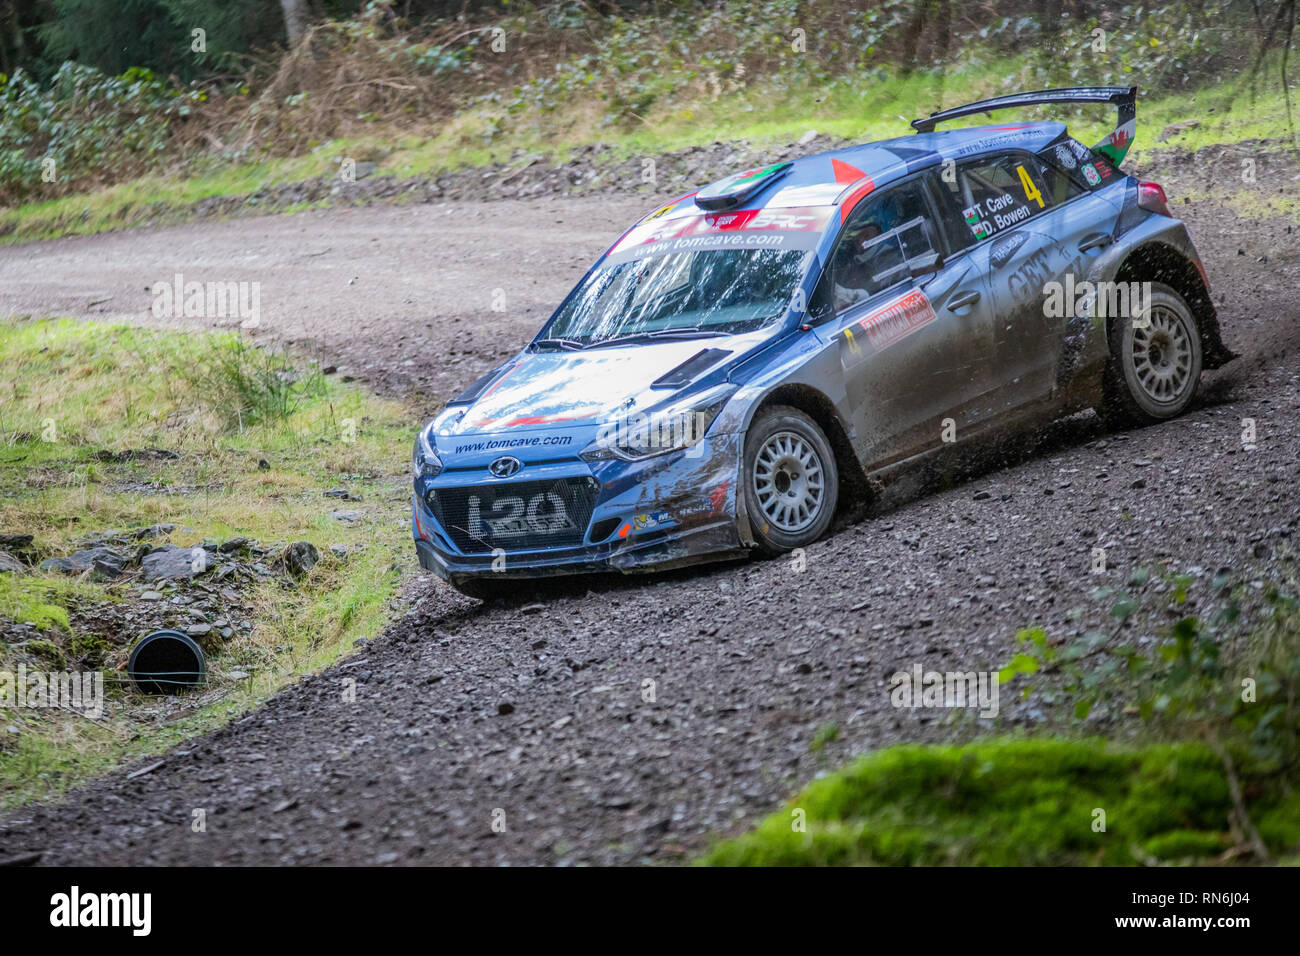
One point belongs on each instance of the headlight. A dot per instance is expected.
(425, 462)
(646, 435)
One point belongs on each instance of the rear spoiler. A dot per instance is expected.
(1113, 147)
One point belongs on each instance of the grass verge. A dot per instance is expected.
(204, 439)
(1207, 771)
(1227, 112)
(1014, 802)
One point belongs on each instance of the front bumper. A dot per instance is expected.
(666, 512)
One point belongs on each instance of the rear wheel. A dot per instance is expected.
(791, 482)
(1155, 366)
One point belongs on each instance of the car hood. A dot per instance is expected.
(549, 390)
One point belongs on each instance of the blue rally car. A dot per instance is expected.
(743, 359)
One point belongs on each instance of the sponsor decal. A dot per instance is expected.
(845, 173)
(856, 196)
(1081, 151)
(717, 499)
(1009, 135)
(652, 520)
(897, 319)
(1090, 173)
(716, 229)
(1004, 248)
(498, 444)
(1065, 156)
(1116, 145)
(798, 220)
(747, 239)
(713, 505)
(1029, 276)
(662, 210)
(979, 226)
(989, 216)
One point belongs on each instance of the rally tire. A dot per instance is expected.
(1153, 372)
(790, 479)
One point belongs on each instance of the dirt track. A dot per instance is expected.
(414, 300)
(463, 709)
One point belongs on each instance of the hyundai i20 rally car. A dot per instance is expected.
(745, 357)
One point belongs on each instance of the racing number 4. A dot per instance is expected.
(1031, 191)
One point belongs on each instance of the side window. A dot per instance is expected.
(992, 194)
(886, 237)
(1087, 169)
(1060, 172)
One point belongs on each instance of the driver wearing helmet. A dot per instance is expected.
(862, 265)
(852, 267)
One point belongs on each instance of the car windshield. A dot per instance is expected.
(718, 291)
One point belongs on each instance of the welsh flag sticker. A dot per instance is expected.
(1115, 146)
(735, 188)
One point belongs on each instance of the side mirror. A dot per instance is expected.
(821, 308)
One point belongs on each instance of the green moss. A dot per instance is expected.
(76, 389)
(1009, 802)
(1280, 825)
(48, 653)
(1186, 844)
(826, 734)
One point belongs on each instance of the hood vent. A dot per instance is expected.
(688, 370)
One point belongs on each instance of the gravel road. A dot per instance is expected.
(534, 712)
(415, 300)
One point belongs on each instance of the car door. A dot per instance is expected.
(1080, 217)
(1006, 209)
(914, 332)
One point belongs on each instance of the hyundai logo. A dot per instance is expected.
(505, 467)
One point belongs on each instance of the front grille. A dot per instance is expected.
(519, 516)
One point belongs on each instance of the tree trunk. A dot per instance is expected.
(295, 18)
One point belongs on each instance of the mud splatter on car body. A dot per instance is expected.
(892, 292)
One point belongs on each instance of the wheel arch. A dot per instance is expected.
(1160, 262)
(817, 406)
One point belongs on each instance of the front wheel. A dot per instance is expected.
(791, 482)
(1155, 365)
